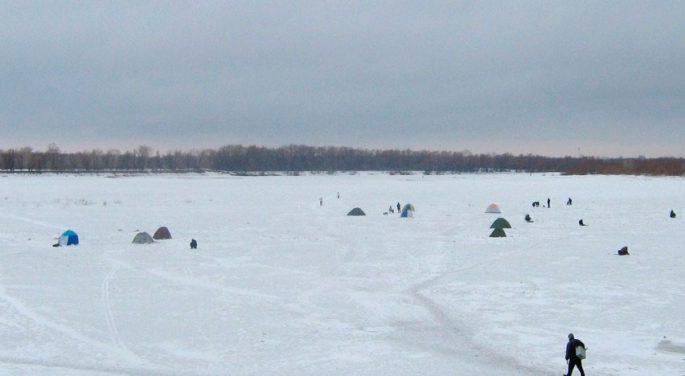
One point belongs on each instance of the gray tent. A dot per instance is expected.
(356, 212)
(142, 238)
(162, 233)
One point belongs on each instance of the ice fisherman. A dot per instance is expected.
(320, 201)
(672, 214)
(548, 203)
(528, 218)
(572, 355)
(569, 202)
(398, 206)
(193, 244)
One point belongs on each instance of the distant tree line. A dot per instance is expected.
(629, 166)
(300, 158)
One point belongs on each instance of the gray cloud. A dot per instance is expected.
(601, 78)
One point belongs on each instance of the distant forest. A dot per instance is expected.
(300, 158)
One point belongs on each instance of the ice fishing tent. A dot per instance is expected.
(68, 237)
(162, 233)
(408, 211)
(500, 223)
(142, 238)
(498, 233)
(493, 208)
(356, 212)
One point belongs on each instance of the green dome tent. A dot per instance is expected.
(500, 223)
(498, 233)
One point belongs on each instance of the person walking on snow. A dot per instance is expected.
(571, 356)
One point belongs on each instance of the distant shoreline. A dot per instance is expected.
(296, 159)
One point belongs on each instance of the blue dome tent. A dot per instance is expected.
(69, 237)
(408, 211)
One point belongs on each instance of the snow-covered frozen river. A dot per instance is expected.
(281, 285)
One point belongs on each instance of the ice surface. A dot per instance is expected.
(280, 285)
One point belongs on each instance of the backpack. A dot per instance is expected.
(580, 352)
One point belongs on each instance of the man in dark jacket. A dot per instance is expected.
(571, 357)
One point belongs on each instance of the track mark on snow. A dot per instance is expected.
(456, 334)
(106, 303)
(191, 282)
(70, 332)
(61, 367)
(32, 221)
(44, 321)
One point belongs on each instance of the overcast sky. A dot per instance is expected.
(573, 78)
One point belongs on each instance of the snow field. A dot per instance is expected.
(282, 285)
